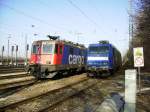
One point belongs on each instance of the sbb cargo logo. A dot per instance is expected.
(76, 59)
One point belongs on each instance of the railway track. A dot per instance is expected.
(145, 80)
(13, 75)
(88, 100)
(12, 82)
(47, 95)
(6, 69)
(43, 95)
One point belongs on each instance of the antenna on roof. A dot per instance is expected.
(53, 37)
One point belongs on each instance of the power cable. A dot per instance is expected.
(99, 14)
(3, 32)
(30, 16)
(10, 27)
(46, 5)
(84, 14)
(96, 9)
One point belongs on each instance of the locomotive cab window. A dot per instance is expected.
(98, 50)
(47, 48)
(35, 49)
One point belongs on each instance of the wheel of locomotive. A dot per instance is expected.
(46, 73)
(89, 74)
(30, 71)
(59, 74)
(69, 72)
(54, 75)
(65, 73)
(105, 74)
(111, 72)
(27, 69)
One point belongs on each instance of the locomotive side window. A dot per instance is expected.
(71, 51)
(47, 48)
(80, 53)
(56, 48)
(60, 49)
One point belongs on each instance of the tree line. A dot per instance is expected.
(141, 33)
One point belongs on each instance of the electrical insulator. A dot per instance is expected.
(27, 47)
(12, 48)
(3, 48)
(16, 47)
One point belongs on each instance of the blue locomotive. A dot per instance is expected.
(103, 58)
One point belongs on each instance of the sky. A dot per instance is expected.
(82, 21)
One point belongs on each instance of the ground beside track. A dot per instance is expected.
(46, 99)
(87, 96)
(90, 99)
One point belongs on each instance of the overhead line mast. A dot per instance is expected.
(130, 24)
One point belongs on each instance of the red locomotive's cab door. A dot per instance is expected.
(35, 54)
(58, 54)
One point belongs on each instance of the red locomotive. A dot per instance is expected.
(50, 57)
